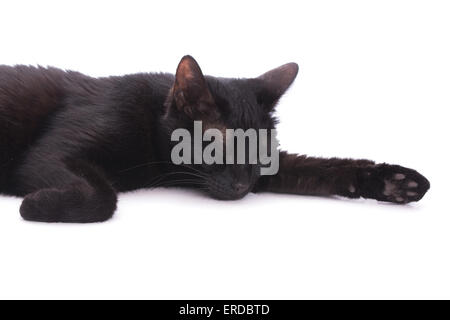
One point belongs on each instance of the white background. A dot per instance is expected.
(374, 83)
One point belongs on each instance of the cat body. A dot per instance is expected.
(70, 142)
(49, 115)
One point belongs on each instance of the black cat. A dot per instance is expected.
(69, 142)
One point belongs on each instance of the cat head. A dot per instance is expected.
(224, 103)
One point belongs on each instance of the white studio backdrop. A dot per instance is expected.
(374, 83)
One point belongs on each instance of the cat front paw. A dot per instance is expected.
(67, 205)
(42, 206)
(393, 183)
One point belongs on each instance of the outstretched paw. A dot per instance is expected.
(396, 184)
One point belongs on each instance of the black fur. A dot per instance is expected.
(69, 142)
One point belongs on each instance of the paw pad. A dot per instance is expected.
(404, 187)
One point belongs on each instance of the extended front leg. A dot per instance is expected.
(69, 191)
(345, 177)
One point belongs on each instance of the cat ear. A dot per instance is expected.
(275, 83)
(190, 91)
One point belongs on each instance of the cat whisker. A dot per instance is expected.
(162, 162)
(179, 183)
(144, 165)
(158, 181)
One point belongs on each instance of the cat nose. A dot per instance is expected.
(240, 187)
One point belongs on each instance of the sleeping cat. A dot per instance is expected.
(69, 142)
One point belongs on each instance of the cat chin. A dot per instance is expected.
(226, 195)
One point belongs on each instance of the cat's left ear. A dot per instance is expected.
(274, 83)
(190, 90)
